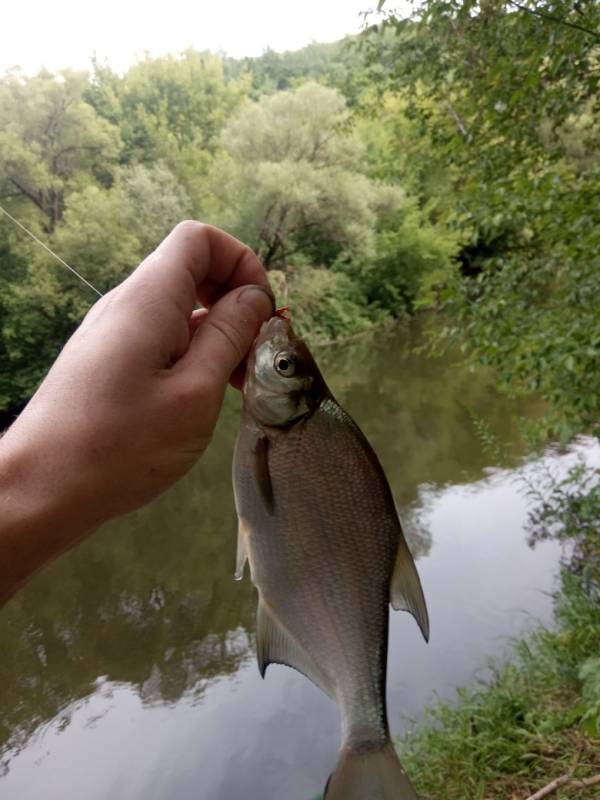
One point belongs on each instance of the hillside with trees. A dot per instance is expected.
(101, 166)
(445, 161)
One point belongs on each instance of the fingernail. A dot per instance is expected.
(255, 296)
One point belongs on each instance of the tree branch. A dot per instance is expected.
(28, 194)
(277, 242)
(459, 122)
(72, 149)
(557, 20)
(264, 227)
(564, 780)
(318, 144)
(272, 248)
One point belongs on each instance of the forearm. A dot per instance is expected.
(40, 511)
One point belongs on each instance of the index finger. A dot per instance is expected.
(201, 261)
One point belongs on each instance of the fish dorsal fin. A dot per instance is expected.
(274, 645)
(260, 469)
(242, 549)
(406, 593)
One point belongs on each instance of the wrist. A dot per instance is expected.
(38, 501)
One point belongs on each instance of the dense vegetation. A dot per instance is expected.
(101, 166)
(447, 160)
(504, 98)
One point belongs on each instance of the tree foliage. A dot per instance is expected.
(506, 100)
(335, 64)
(50, 140)
(169, 101)
(447, 160)
(288, 181)
(104, 233)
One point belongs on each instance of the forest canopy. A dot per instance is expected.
(446, 161)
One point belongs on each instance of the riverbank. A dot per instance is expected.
(535, 722)
(533, 730)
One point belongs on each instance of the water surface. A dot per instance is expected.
(127, 668)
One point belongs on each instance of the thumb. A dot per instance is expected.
(227, 332)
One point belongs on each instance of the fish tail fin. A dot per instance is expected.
(374, 775)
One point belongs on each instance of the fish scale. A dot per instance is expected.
(326, 551)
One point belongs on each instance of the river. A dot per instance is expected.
(127, 668)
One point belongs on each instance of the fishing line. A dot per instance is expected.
(52, 253)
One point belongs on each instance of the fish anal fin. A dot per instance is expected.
(260, 469)
(274, 645)
(242, 549)
(406, 593)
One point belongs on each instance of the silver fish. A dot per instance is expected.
(318, 526)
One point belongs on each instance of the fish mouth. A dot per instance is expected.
(275, 328)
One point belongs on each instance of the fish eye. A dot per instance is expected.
(285, 364)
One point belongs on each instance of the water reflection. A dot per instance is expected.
(148, 601)
(418, 412)
(144, 622)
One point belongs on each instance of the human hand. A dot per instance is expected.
(132, 400)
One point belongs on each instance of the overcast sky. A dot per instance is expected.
(59, 33)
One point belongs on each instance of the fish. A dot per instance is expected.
(318, 527)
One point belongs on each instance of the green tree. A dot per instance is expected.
(155, 201)
(170, 110)
(288, 181)
(12, 268)
(167, 104)
(506, 98)
(51, 140)
(104, 233)
(336, 64)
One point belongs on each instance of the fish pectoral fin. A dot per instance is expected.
(260, 469)
(274, 645)
(406, 593)
(242, 549)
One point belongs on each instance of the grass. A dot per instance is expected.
(538, 718)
